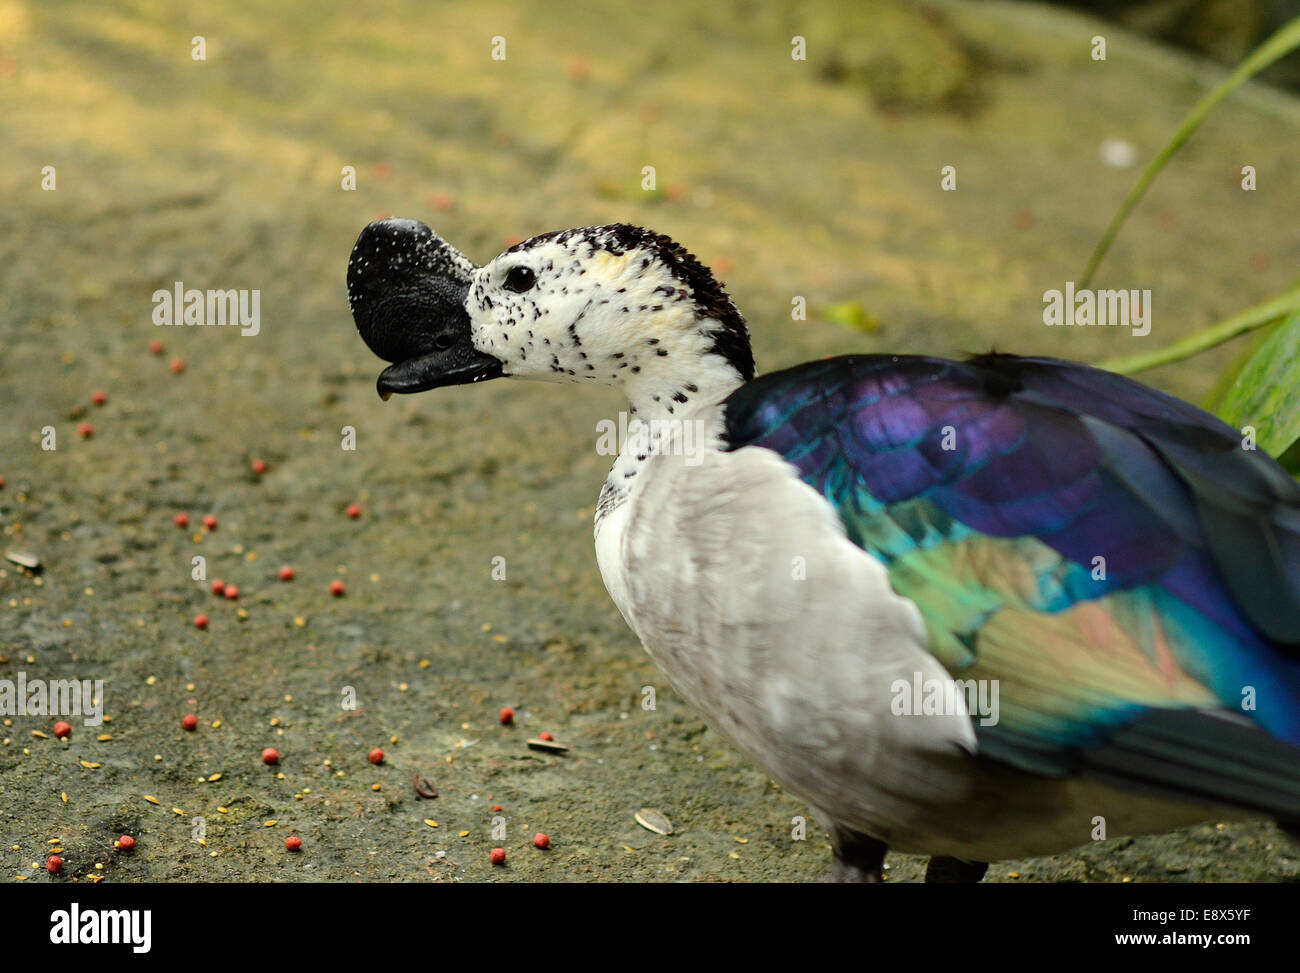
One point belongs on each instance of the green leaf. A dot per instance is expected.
(1266, 392)
(851, 315)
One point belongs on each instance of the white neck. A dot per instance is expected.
(661, 405)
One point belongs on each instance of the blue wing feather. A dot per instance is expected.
(1084, 461)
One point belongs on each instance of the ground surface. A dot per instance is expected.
(817, 178)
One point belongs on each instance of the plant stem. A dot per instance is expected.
(1279, 45)
(1240, 323)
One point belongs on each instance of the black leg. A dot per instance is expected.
(858, 857)
(954, 870)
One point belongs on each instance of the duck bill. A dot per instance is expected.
(407, 289)
(461, 364)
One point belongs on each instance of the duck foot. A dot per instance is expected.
(954, 870)
(858, 858)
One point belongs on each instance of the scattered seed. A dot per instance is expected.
(652, 820)
(270, 823)
(104, 737)
(214, 778)
(550, 746)
(88, 765)
(430, 822)
(464, 834)
(39, 735)
(24, 560)
(151, 799)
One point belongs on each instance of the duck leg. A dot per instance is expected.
(858, 857)
(954, 870)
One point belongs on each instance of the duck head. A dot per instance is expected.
(615, 305)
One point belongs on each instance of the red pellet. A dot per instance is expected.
(232, 591)
(496, 807)
(177, 365)
(181, 520)
(259, 466)
(376, 756)
(218, 586)
(544, 735)
(286, 573)
(353, 511)
(54, 864)
(506, 716)
(541, 841)
(210, 522)
(2, 481)
(61, 729)
(98, 398)
(200, 621)
(85, 430)
(337, 588)
(156, 347)
(269, 756)
(189, 721)
(293, 842)
(498, 856)
(125, 843)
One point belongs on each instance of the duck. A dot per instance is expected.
(973, 610)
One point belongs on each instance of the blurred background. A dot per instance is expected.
(255, 167)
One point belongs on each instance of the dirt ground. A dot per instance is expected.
(817, 178)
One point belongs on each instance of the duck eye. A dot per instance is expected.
(520, 279)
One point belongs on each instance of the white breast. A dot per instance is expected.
(741, 584)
